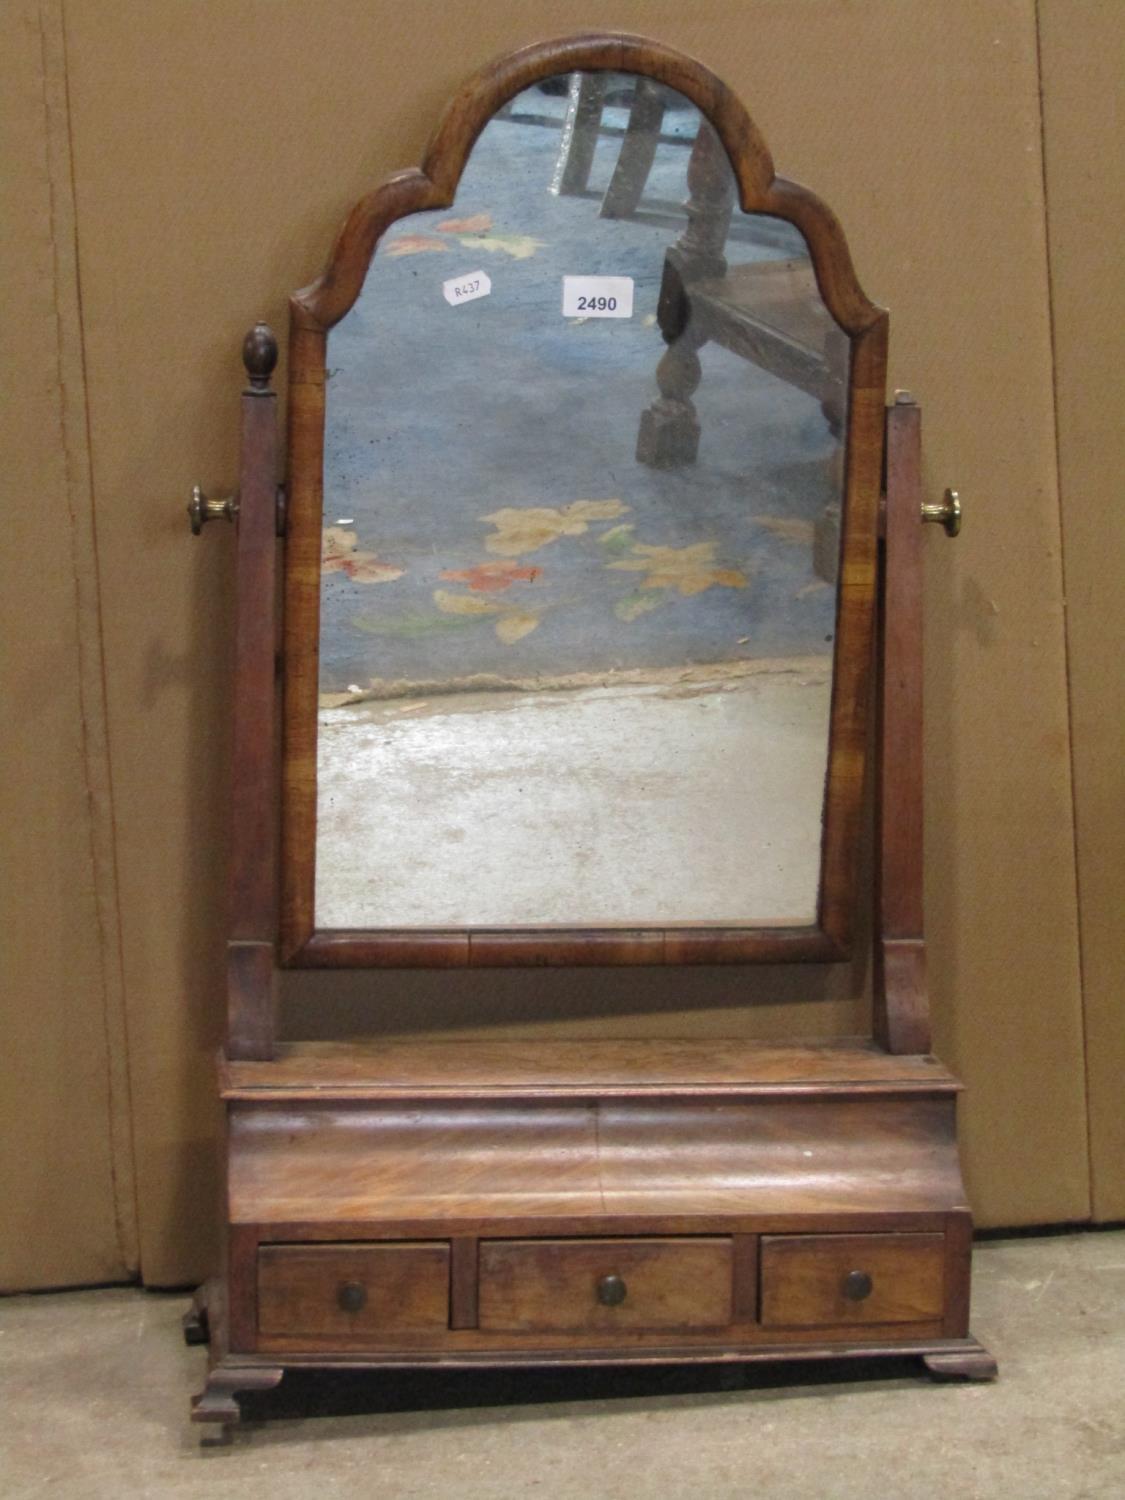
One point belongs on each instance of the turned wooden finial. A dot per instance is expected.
(259, 355)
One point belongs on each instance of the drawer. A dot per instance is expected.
(352, 1289)
(847, 1280)
(598, 1286)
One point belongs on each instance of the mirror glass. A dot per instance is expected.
(582, 486)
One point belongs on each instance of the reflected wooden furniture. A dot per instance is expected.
(581, 128)
(768, 312)
(581, 1202)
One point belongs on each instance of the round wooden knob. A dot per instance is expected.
(612, 1291)
(352, 1296)
(857, 1286)
(259, 355)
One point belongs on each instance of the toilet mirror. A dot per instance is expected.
(581, 557)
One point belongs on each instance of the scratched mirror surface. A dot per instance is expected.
(582, 486)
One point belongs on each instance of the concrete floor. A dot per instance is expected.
(96, 1386)
(689, 798)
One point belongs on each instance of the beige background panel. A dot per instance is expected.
(217, 145)
(65, 1170)
(1083, 61)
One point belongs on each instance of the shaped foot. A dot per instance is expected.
(217, 1402)
(195, 1322)
(961, 1364)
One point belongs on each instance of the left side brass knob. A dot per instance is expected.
(201, 510)
(947, 514)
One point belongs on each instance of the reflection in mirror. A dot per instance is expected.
(580, 541)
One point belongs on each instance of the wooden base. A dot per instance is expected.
(218, 1403)
(580, 1203)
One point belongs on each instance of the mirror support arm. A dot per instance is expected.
(251, 890)
(901, 1003)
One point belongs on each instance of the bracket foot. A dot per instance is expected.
(196, 1323)
(967, 1364)
(218, 1400)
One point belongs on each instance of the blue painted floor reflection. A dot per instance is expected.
(485, 510)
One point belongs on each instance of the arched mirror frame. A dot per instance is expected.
(318, 307)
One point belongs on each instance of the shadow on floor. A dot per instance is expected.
(346, 1393)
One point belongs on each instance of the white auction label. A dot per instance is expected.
(597, 297)
(466, 288)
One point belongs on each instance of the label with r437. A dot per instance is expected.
(597, 297)
(466, 288)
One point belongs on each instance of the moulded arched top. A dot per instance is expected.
(434, 185)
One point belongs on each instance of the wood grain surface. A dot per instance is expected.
(370, 1069)
(803, 1278)
(551, 1286)
(901, 1004)
(339, 1169)
(402, 1286)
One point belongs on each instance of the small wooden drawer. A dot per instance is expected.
(847, 1280)
(576, 1286)
(352, 1289)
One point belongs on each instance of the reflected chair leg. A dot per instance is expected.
(579, 133)
(669, 432)
(826, 543)
(638, 151)
(834, 406)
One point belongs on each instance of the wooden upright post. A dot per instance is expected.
(902, 1012)
(252, 901)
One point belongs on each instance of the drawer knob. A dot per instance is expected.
(352, 1296)
(611, 1291)
(857, 1286)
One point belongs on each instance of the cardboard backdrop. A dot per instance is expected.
(179, 169)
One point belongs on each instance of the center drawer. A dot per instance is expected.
(575, 1286)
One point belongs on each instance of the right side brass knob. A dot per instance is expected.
(201, 510)
(947, 514)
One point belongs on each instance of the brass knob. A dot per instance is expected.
(612, 1291)
(201, 510)
(352, 1296)
(857, 1286)
(947, 514)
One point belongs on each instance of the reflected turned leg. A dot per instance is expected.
(669, 430)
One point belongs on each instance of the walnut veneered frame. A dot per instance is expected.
(317, 308)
